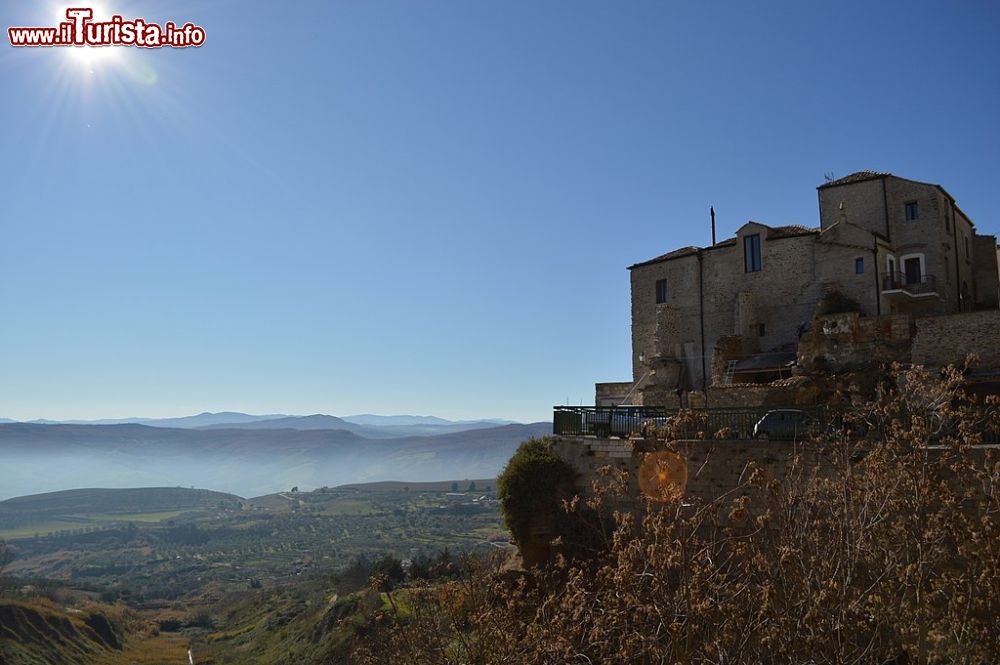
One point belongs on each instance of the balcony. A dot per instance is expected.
(605, 422)
(901, 285)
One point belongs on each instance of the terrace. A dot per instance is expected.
(905, 286)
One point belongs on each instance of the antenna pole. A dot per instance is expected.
(711, 212)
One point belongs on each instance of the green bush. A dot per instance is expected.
(836, 302)
(533, 484)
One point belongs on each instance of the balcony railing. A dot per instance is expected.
(738, 423)
(606, 421)
(911, 284)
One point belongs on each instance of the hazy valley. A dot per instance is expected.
(249, 457)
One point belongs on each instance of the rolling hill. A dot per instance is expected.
(110, 501)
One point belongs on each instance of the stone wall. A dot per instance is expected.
(714, 467)
(947, 340)
(839, 342)
(864, 205)
(738, 395)
(722, 291)
(587, 455)
(840, 247)
(717, 467)
(675, 323)
(728, 348)
(987, 272)
(612, 394)
(795, 390)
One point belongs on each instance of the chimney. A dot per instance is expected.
(711, 211)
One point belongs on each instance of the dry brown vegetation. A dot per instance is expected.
(887, 553)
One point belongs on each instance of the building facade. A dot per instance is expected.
(884, 246)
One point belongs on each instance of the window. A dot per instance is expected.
(751, 252)
(912, 211)
(859, 266)
(947, 221)
(966, 238)
(661, 291)
(760, 329)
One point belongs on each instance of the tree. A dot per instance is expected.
(454, 487)
(532, 487)
(472, 486)
(6, 555)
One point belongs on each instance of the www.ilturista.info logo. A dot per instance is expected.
(82, 30)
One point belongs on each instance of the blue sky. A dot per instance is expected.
(428, 207)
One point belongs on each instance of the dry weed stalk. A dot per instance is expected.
(888, 552)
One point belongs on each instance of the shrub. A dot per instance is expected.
(836, 302)
(200, 619)
(6, 555)
(170, 625)
(532, 487)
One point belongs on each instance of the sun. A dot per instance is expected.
(89, 57)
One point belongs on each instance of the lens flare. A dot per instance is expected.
(89, 57)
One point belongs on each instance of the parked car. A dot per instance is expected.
(786, 424)
(622, 421)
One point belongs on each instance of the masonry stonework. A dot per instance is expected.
(714, 467)
(947, 340)
(886, 247)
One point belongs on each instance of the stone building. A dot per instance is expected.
(735, 311)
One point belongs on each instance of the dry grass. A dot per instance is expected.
(162, 649)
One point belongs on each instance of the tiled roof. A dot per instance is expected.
(859, 176)
(773, 233)
(677, 253)
(789, 231)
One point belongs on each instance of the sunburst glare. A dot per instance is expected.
(89, 58)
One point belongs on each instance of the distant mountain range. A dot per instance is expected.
(366, 425)
(396, 421)
(249, 458)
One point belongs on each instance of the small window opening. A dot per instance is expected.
(661, 291)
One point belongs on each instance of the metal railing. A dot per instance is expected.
(897, 281)
(624, 421)
(606, 421)
(728, 423)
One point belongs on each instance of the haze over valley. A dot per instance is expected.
(251, 455)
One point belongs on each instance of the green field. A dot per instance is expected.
(53, 524)
(43, 528)
(349, 507)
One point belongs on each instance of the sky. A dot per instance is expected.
(429, 207)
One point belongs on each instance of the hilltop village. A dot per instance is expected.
(780, 331)
(894, 272)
